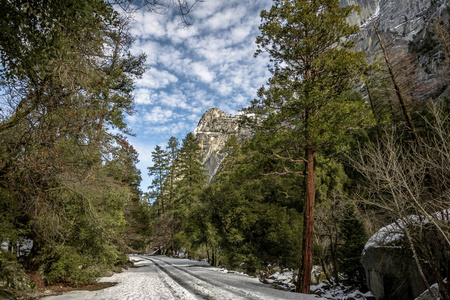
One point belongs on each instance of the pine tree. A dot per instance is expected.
(172, 151)
(190, 171)
(305, 100)
(191, 180)
(354, 235)
(159, 172)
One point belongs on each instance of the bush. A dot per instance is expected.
(71, 267)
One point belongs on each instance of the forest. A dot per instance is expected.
(340, 148)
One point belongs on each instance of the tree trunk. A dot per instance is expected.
(372, 106)
(308, 219)
(398, 92)
(416, 258)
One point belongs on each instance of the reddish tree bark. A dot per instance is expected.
(308, 219)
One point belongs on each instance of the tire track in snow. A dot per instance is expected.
(175, 293)
(237, 293)
(181, 282)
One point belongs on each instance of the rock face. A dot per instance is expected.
(367, 7)
(405, 26)
(213, 131)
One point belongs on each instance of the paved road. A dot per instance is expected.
(161, 277)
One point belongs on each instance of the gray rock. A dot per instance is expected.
(391, 271)
(213, 131)
(405, 28)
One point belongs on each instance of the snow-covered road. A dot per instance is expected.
(161, 277)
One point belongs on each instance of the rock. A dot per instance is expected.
(391, 271)
(107, 273)
(317, 275)
(405, 28)
(213, 131)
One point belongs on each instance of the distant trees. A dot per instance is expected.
(179, 176)
(307, 100)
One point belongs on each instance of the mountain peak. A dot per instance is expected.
(213, 131)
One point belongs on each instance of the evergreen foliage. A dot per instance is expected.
(307, 101)
(67, 174)
(159, 172)
(354, 238)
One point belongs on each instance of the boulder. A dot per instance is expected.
(389, 264)
(391, 273)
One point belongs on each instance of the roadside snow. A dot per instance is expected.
(161, 277)
(339, 291)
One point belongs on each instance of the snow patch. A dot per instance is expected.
(392, 233)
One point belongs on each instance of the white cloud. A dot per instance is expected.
(156, 79)
(148, 25)
(208, 64)
(158, 115)
(150, 48)
(171, 129)
(202, 72)
(143, 96)
(226, 18)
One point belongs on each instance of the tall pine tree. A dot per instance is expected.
(159, 172)
(305, 100)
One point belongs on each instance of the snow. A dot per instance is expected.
(161, 277)
(426, 293)
(339, 291)
(393, 233)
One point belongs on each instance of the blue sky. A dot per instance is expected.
(208, 64)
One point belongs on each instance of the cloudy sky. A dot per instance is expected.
(208, 64)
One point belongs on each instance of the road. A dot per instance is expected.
(161, 277)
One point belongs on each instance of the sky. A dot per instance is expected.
(192, 69)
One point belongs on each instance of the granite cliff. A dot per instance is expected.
(213, 131)
(406, 26)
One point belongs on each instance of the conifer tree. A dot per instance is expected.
(191, 180)
(305, 100)
(354, 235)
(159, 172)
(190, 171)
(172, 152)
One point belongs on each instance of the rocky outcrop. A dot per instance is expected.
(406, 28)
(367, 8)
(213, 131)
(389, 264)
